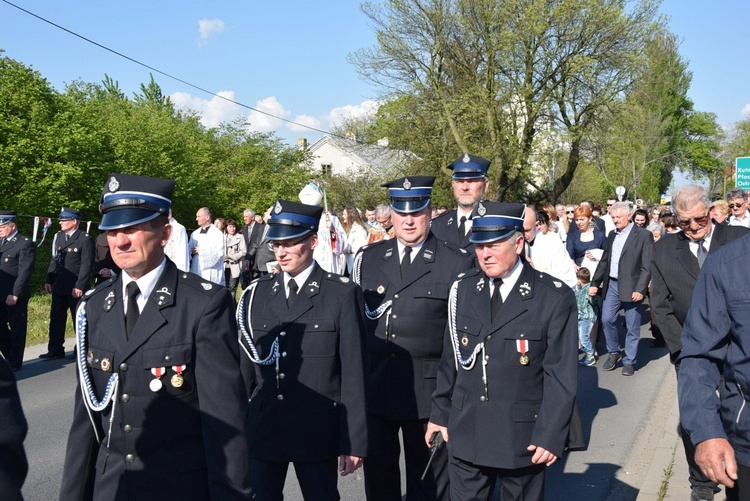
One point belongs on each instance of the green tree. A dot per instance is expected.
(490, 76)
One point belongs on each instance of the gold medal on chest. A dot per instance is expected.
(524, 359)
(177, 380)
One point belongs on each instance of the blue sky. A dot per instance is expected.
(289, 57)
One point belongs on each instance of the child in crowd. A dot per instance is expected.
(587, 312)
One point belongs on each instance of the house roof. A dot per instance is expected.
(376, 157)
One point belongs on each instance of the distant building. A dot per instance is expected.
(339, 156)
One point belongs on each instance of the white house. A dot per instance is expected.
(334, 155)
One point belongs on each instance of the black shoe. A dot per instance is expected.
(627, 370)
(52, 356)
(701, 493)
(611, 361)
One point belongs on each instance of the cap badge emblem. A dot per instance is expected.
(206, 286)
(277, 208)
(466, 158)
(407, 183)
(114, 185)
(481, 210)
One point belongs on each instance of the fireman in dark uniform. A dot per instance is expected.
(302, 331)
(405, 281)
(68, 277)
(160, 408)
(17, 255)
(508, 375)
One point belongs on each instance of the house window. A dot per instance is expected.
(326, 169)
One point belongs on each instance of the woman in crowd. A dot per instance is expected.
(555, 225)
(669, 222)
(719, 212)
(657, 230)
(549, 254)
(356, 234)
(234, 250)
(654, 214)
(219, 223)
(587, 238)
(640, 217)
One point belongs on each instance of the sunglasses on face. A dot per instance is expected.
(700, 221)
(735, 206)
(569, 212)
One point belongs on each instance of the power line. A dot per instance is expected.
(163, 72)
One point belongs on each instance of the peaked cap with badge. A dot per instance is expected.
(68, 214)
(292, 220)
(128, 200)
(410, 194)
(7, 216)
(178, 361)
(469, 166)
(493, 221)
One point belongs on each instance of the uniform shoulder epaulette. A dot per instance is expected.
(99, 288)
(198, 283)
(552, 282)
(454, 247)
(373, 245)
(338, 279)
(468, 273)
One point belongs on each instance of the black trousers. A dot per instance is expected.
(381, 466)
(58, 318)
(13, 328)
(317, 480)
(474, 482)
(741, 489)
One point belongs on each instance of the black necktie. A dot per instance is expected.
(405, 261)
(292, 293)
(2, 241)
(204, 230)
(131, 317)
(462, 230)
(702, 253)
(497, 299)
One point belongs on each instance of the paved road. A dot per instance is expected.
(624, 419)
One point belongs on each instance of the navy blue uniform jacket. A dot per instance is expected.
(527, 404)
(177, 443)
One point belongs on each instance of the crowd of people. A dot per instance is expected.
(351, 330)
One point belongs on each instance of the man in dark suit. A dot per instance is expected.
(68, 277)
(624, 272)
(508, 374)
(674, 271)
(17, 255)
(160, 408)
(303, 333)
(405, 281)
(470, 183)
(251, 232)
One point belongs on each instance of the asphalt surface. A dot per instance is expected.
(629, 423)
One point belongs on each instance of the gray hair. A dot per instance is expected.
(383, 210)
(736, 193)
(685, 197)
(620, 206)
(656, 228)
(250, 212)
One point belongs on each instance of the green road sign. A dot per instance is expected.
(743, 172)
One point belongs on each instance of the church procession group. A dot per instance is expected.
(445, 335)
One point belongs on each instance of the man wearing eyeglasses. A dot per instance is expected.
(737, 200)
(674, 271)
(301, 334)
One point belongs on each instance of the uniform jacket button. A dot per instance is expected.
(279, 397)
(167, 358)
(130, 458)
(127, 428)
(125, 397)
(123, 367)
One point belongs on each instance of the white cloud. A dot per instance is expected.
(337, 115)
(304, 120)
(746, 110)
(261, 122)
(213, 111)
(208, 28)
